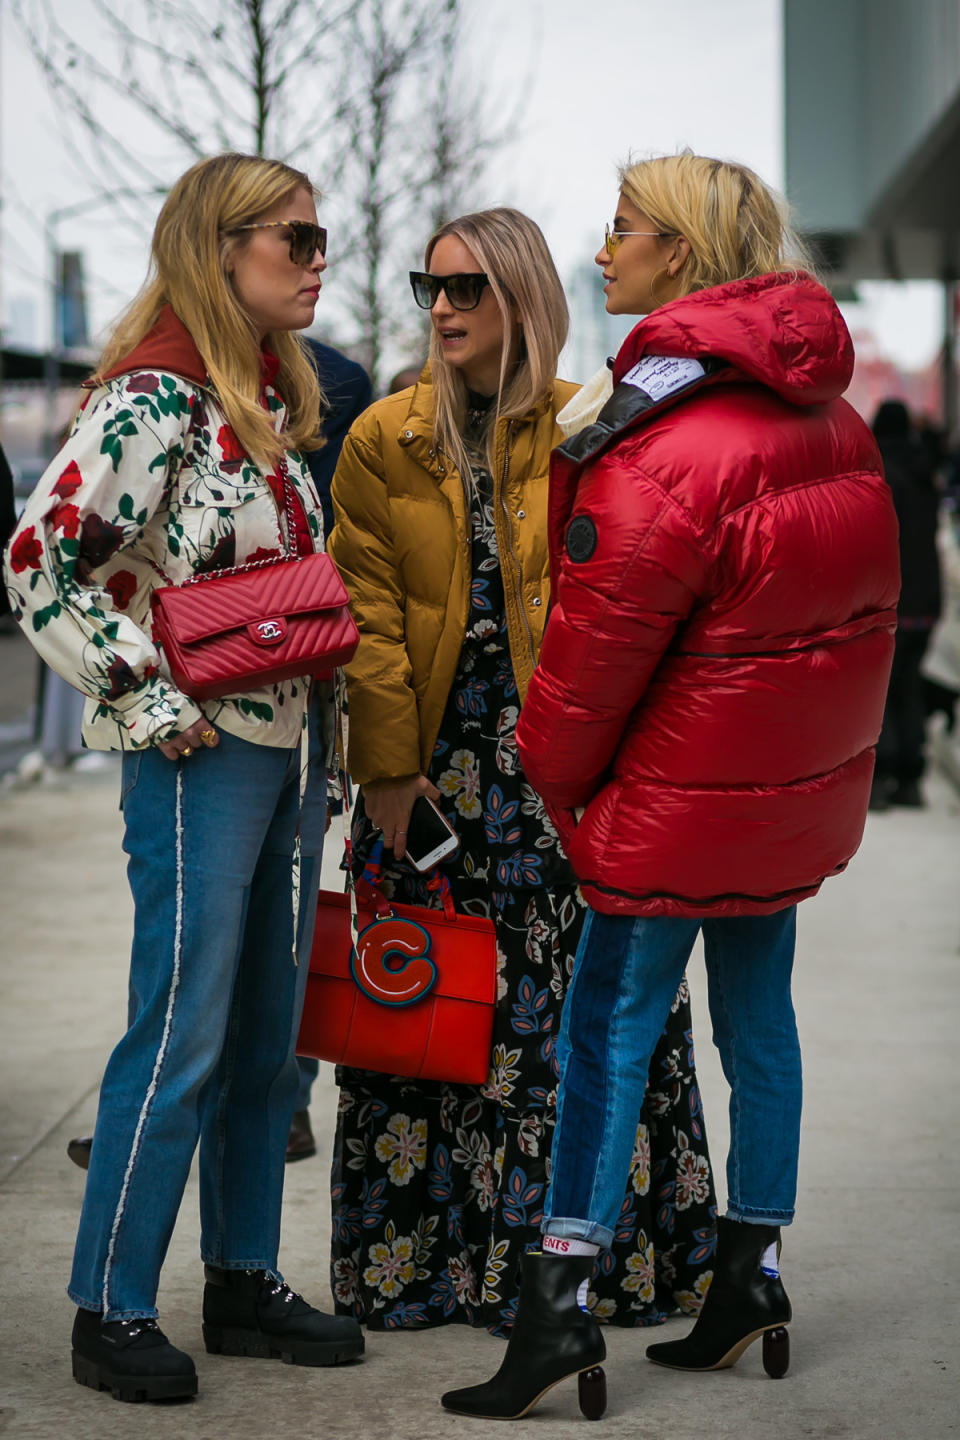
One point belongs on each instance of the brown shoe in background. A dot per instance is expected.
(79, 1151)
(300, 1142)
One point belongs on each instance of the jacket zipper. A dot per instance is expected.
(513, 553)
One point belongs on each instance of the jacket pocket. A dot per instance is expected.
(214, 532)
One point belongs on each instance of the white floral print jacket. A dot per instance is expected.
(152, 479)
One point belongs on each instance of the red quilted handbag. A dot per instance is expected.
(252, 625)
(413, 996)
(235, 630)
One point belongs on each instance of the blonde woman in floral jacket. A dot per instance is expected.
(175, 467)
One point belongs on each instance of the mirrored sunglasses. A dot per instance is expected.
(463, 291)
(612, 238)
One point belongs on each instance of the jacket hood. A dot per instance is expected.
(168, 346)
(783, 330)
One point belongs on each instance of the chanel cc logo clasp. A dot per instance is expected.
(268, 632)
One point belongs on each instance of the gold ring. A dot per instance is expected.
(187, 750)
(209, 737)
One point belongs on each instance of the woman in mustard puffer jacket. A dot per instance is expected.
(440, 499)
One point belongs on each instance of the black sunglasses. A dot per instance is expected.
(463, 291)
(305, 238)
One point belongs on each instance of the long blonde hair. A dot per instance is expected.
(509, 247)
(737, 226)
(192, 242)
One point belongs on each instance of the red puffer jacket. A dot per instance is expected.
(725, 577)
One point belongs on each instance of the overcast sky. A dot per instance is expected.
(602, 81)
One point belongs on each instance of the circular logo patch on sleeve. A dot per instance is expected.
(581, 539)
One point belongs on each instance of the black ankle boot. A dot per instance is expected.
(742, 1303)
(245, 1312)
(552, 1338)
(133, 1359)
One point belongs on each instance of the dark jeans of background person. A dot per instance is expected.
(900, 755)
(308, 1070)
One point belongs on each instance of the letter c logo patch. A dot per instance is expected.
(391, 963)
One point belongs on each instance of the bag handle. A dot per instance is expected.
(436, 883)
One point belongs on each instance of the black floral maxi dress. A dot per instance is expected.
(438, 1188)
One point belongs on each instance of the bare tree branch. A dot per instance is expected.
(368, 93)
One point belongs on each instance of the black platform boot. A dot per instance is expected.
(245, 1312)
(743, 1303)
(133, 1359)
(552, 1338)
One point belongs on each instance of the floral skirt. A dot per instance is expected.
(438, 1189)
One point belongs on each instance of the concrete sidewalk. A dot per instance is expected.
(871, 1264)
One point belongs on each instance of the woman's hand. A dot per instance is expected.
(201, 732)
(389, 809)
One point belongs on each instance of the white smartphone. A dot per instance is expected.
(430, 836)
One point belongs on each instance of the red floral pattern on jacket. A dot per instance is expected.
(151, 480)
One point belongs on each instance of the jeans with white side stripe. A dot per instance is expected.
(215, 1001)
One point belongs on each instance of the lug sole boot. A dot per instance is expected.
(552, 1339)
(245, 1312)
(133, 1359)
(742, 1304)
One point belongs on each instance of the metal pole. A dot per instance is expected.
(51, 361)
(51, 358)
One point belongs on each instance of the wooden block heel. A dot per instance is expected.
(776, 1352)
(592, 1387)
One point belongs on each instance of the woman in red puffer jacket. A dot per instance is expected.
(701, 726)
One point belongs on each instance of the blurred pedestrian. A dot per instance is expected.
(404, 379)
(910, 462)
(441, 535)
(700, 725)
(184, 459)
(941, 661)
(8, 522)
(347, 393)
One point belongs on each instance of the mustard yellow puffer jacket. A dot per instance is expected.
(401, 541)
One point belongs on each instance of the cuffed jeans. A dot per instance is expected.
(625, 977)
(215, 1001)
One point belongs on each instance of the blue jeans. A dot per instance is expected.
(625, 977)
(215, 1001)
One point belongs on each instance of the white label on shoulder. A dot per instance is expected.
(661, 375)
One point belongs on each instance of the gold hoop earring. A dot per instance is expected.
(655, 281)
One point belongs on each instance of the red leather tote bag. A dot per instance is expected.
(414, 996)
